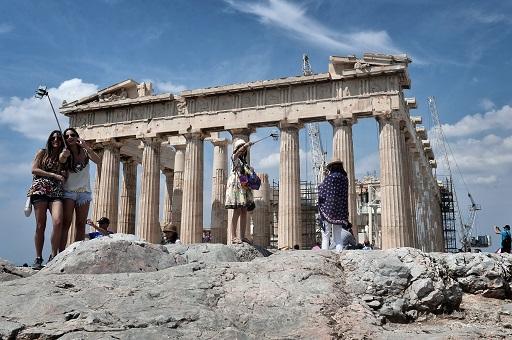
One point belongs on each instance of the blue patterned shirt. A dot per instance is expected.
(333, 198)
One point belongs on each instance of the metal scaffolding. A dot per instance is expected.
(448, 214)
(310, 226)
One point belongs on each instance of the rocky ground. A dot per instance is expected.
(121, 288)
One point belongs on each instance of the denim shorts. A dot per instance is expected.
(80, 198)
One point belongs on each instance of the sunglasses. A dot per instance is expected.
(72, 135)
(56, 137)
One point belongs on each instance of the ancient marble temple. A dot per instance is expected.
(165, 134)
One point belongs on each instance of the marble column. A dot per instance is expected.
(289, 220)
(192, 211)
(127, 205)
(413, 163)
(393, 198)
(219, 214)
(169, 182)
(343, 149)
(261, 215)
(148, 226)
(108, 196)
(177, 191)
(95, 193)
(236, 134)
(409, 233)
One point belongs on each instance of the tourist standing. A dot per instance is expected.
(239, 196)
(506, 238)
(333, 206)
(77, 196)
(46, 193)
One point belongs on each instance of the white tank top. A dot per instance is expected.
(79, 181)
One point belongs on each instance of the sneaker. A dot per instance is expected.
(50, 259)
(38, 263)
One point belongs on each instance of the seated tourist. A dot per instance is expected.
(101, 228)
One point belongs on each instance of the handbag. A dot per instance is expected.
(253, 180)
(28, 207)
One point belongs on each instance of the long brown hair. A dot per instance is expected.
(50, 153)
(71, 164)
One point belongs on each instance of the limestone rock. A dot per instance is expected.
(9, 271)
(219, 291)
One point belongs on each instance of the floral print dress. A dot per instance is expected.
(237, 194)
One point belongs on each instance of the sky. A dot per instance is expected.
(461, 52)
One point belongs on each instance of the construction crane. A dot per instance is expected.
(466, 229)
(313, 129)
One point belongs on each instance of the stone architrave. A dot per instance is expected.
(127, 203)
(261, 215)
(168, 190)
(108, 196)
(219, 214)
(343, 149)
(177, 191)
(192, 206)
(236, 134)
(392, 184)
(148, 226)
(289, 215)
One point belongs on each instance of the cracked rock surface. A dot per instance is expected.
(124, 288)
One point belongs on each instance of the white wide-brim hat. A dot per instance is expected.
(238, 144)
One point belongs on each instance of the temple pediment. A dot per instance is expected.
(127, 89)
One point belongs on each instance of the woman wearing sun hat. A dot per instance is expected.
(333, 206)
(239, 195)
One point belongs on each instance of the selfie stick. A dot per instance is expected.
(274, 135)
(40, 93)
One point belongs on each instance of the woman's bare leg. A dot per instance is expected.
(243, 222)
(40, 215)
(234, 222)
(57, 211)
(81, 212)
(69, 209)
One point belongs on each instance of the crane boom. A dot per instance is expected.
(313, 129)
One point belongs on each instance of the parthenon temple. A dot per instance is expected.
(165, 134)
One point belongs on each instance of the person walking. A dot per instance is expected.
(77, 195)
(46, 193)
(239, 196)
(333, 206)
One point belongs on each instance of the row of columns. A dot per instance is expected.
(407, 205)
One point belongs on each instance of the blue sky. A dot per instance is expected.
(461, 53)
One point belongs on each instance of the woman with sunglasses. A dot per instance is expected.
(46, 193)
(77, 188)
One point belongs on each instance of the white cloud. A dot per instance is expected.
(34, 117)
(482, 17)
(5, 28)
(469, 125)
(369, 164)
(292, 18)
(270, 161)
(487, 104)
(167, 86)
(10, 170)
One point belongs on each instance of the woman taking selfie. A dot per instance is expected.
(46, 193)
(77, 188)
